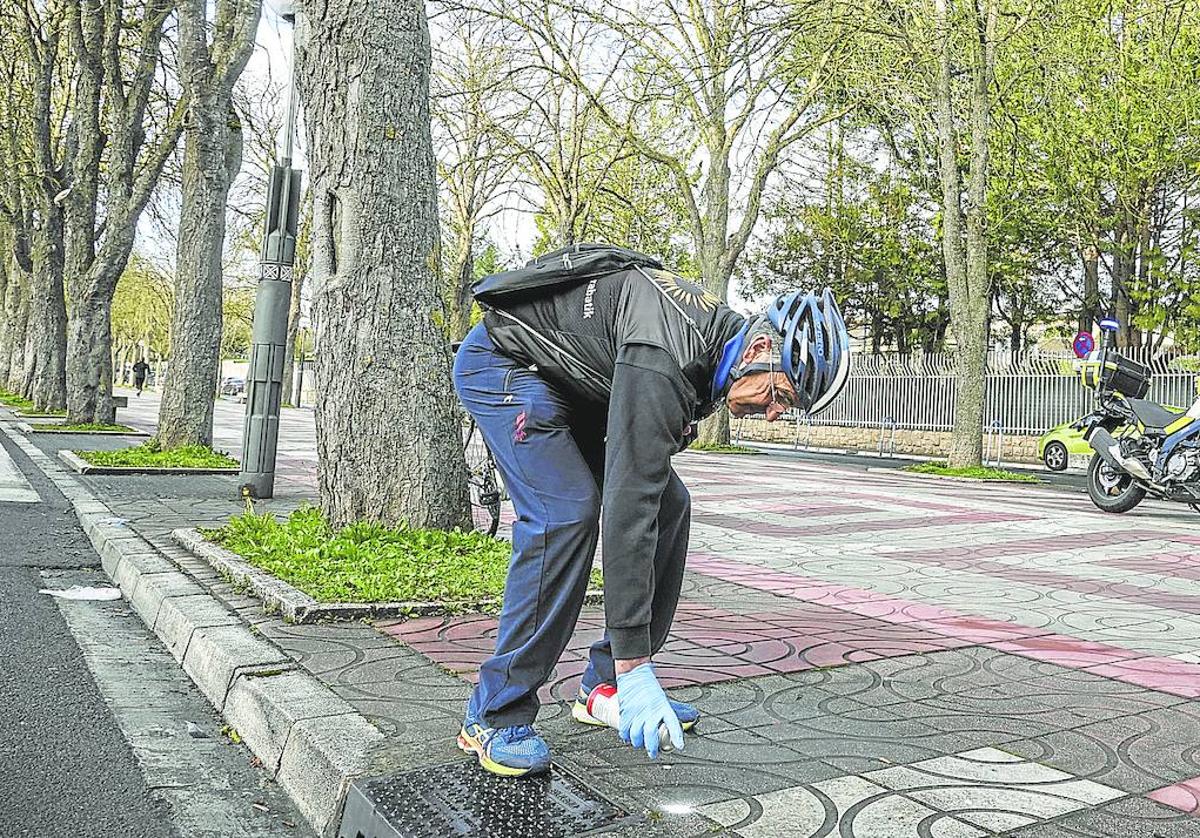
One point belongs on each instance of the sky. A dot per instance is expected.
(512, 229)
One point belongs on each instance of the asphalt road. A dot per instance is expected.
(67, 767)
(101, 734)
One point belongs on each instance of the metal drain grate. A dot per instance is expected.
(461, 799)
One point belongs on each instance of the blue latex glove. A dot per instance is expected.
(644, 707)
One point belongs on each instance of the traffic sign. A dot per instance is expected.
(1083, 344)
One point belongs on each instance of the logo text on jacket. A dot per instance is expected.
(589, 305)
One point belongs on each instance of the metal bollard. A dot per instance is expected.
(887, 423)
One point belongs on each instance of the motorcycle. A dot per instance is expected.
(1141, 447)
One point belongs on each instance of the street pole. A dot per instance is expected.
(268, 338)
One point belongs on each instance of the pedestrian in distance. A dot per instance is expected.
(591, 368)
(140, 369)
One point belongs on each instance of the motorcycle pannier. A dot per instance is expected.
(1116, 372)
(565, 266)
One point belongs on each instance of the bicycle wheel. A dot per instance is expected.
(483, 481)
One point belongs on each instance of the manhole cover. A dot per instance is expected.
(462, 799)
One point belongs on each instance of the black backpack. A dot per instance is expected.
(566, 266)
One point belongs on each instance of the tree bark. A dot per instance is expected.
(16, 307)
(389, 445)
(1091, 288)
(711, 250)
(114, 164)
(7, 278)
(289, 349)
(89, 361)
(965, 257)
(211, 159)
(459, 313)
(46, 341)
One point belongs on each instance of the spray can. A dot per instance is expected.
(602, 704)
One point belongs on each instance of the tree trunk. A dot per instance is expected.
(966, 257)
(715, 429)
(212, 156)
(1091, 288)
(389, 445)
(1145, 258)
(289, 349)
(7, 277)
(459, 313)
(712, 241)
(46, 342)
(89, 361)
(16, 307)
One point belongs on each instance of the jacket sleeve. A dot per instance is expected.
(647, 414)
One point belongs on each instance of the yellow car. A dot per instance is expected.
(1059, 444)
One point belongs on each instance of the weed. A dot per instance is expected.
(368, 561)
(974, 472)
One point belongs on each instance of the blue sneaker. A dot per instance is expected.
(687, 714)
(506, 751)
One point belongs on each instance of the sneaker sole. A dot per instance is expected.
(579, 713)
(470, 746)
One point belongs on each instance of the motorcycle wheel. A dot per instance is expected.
(1112, 490)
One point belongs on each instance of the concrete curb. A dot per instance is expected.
(26, 428)
(310, 740)
(899, 472)
(82, 466)
(295, 606)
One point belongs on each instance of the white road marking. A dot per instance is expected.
(14, 488)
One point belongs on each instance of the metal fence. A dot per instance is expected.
(1027, 393)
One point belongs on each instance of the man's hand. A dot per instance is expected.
(644, 708)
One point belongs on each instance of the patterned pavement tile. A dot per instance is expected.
(860, 739)
(1130, 818)
(844, 806)
(1136, 753)
(1018, 715)
(711, 767)
(1164, 674)
(867, 655)
(1184, 796)
(993, 789)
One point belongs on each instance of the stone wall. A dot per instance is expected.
(1021, 449)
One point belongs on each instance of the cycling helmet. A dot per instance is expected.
(814, 347)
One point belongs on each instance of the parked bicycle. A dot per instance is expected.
(483, 480)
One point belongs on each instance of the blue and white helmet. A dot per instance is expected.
(815, 349)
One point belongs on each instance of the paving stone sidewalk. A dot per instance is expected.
(876, 656)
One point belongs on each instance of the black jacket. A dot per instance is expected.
(641, 346)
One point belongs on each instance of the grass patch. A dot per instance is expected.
(13, 400)
(370, 562)
(717, 448)
(80, 427)
(974, 472)
(150, 455)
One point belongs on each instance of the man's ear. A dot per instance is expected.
(755, 347)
